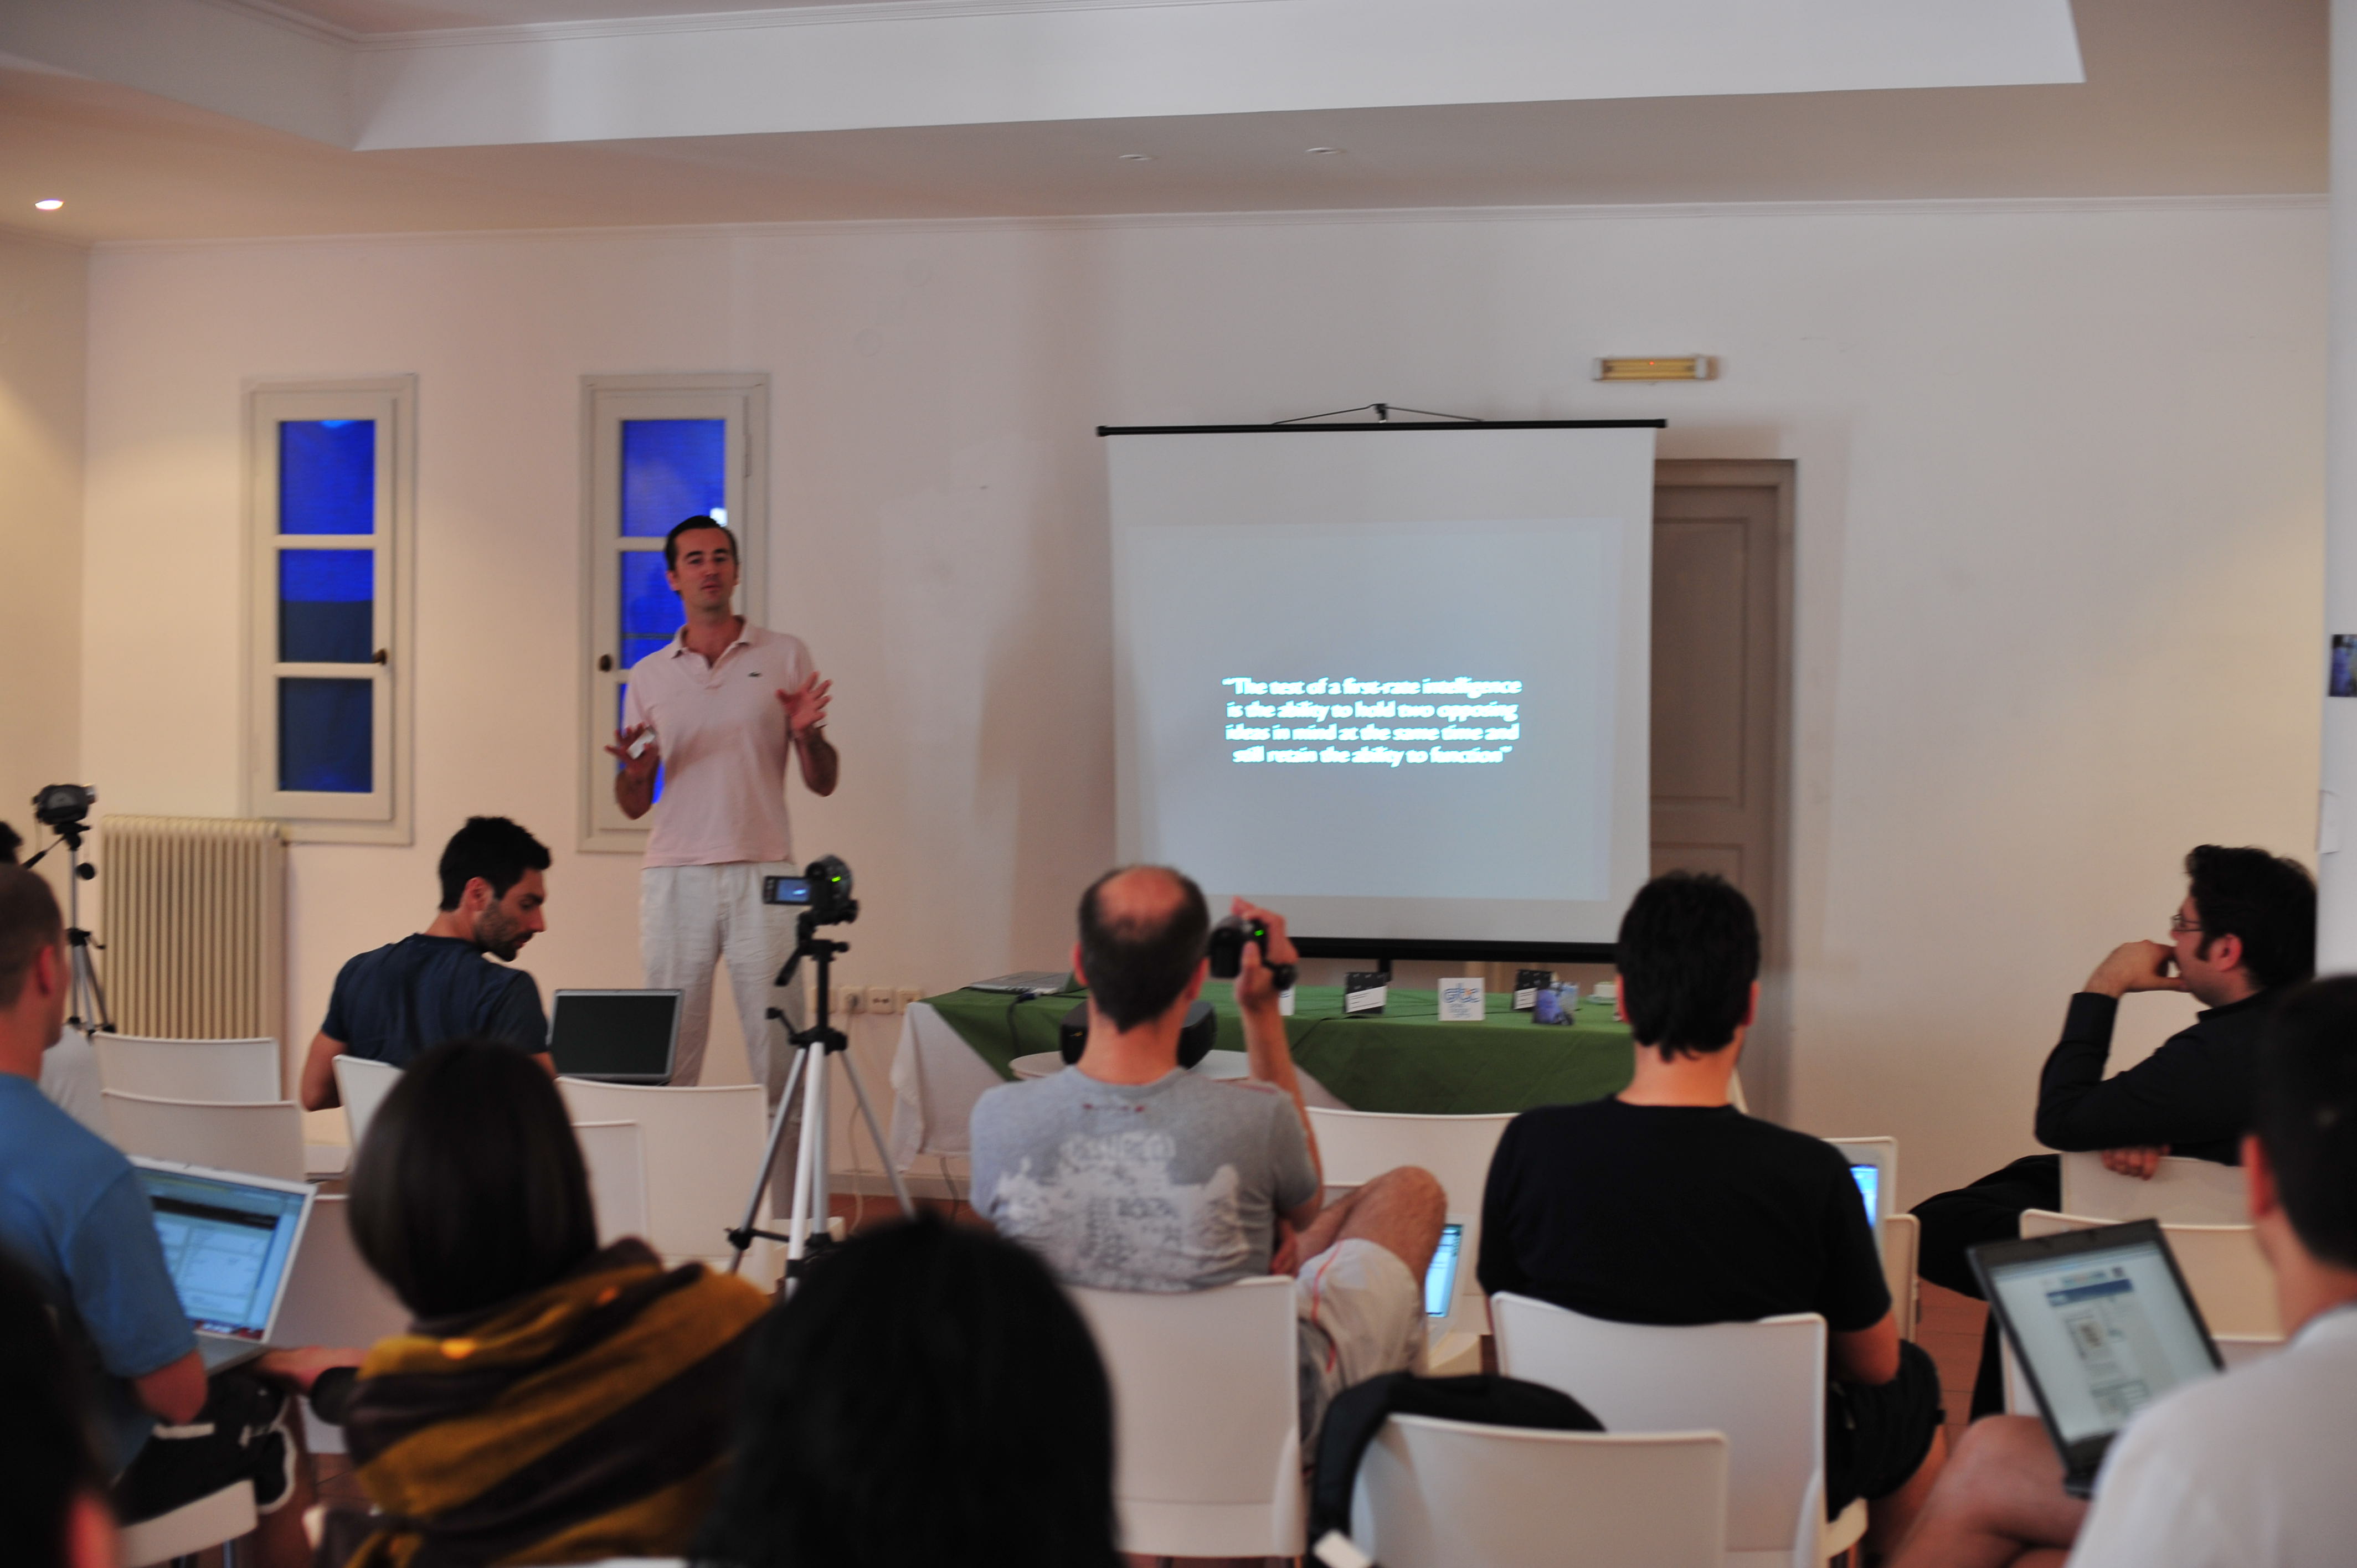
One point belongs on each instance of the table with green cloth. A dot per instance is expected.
(1402, 1059)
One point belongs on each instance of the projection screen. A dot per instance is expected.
(1392, 681)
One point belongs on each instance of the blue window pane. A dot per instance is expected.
(671, 470)
(326, 475)
(651, 612)
(327, 734)
(621, 706)
(327, 606)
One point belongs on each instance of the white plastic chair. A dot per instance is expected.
(616, 1154)
(1762, 1384)
(1356, 1146)
(362, 1085)
(334, 1298)
(191, 1527)
(1898, 1235)
(2182, 1192)
(231, 1070)
(701, 1148)
(1207, 1442)
(260, 1138)
(1449, 1494)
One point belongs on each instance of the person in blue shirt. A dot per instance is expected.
(75, 1216)
(393, 1004)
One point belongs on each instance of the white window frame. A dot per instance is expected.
(743, 401)
(381, 815)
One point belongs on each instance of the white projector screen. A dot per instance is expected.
(1391, 682)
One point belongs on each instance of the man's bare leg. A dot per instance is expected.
(2000, 1497)
(1400, 1211)
(1888, 1520)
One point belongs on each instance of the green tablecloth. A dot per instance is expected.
(1405, 1060)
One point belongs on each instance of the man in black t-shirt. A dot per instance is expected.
(1664, 1204)
(393, 1002)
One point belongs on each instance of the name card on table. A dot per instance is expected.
(1461, 1001)
(1363, 993)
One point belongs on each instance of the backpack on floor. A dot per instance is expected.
(1359, 1412)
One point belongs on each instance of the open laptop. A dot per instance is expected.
(614, 1037)
(2103, 1326)
(1872, 1166)
(1441, 1277)
(229, 1241)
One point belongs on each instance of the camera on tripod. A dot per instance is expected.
(60, 807)
(823, 890)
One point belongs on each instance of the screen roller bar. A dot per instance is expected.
(1394, 425)
(1471, 951)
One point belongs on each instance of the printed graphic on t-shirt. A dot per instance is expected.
(1108, 1214)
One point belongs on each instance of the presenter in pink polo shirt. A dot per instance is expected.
(723, 703)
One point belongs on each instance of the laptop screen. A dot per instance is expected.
(1441, 1279)
(621, 1036)
(227, 1245)
(2105, 1331)
(1870, 1183)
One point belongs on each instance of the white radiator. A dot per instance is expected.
(194, 926)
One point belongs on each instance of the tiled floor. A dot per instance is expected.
(1948, 1327)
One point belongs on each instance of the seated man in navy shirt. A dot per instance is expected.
(392, 1003)
(74, 1216)
(1664, 1204)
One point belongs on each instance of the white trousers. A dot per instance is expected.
(694, 917)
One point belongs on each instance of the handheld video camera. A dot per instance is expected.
(824, 890)
(61, 806)
(1227, 948)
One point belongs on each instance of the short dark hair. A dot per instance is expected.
(2306, 1114)
(2267, 900)
(46, 1449)
(469, 1189)
(1137, 967)
(29, 922)
(1687, 954)
(928, 1394)
(492, 848)
(689, 525)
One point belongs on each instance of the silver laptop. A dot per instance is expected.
(1026, 983)
(229, 1241)
(2103, 1326)
(615, 1037)
(1440, 1276)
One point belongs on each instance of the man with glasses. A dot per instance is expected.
(2246, 929)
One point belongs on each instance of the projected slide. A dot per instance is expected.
(1393, 684)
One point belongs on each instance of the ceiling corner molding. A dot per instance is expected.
(285, 18)
(851, 13)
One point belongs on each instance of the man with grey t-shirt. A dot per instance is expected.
(1126, 1172)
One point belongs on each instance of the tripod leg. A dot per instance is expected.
(891, 1171)
(809, 1178)
(769, 1154)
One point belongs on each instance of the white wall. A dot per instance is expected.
(2059, 538)
(42, 309)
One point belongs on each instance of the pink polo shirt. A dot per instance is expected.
(723, 733)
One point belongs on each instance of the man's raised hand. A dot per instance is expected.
(2136, 966)
(1253, 981)
(641, 768)
(806, 706)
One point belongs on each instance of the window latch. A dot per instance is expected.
(605, 663)
(380, 657)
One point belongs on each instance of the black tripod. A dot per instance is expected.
(806, 1230)
(86, 1008)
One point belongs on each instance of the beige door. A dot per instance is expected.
(1722, 598)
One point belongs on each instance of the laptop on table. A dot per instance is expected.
(614, 1037)
(229, 1241)
(2101, 1325)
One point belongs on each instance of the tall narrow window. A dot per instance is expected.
(329, 467)
(660, 450)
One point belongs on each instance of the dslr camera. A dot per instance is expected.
(1227, 948)
(824, 890)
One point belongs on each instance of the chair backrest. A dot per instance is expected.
(2183, 1192)
(362, 1085)
(260, 1138)
(1433, 1493)
(700, 1148)
(332, 1296)
(616, 1154)
(2222, 1266)
(1206, 1442)
(1762, 1384)
(220, 1070)
(1902, 1239)
(1355, 1146)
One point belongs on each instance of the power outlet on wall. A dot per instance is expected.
(908, 997)
(855, 1000)
(879, 999)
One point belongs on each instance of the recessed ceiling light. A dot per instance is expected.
(48, 204)
(1325, 152)
(1137, 158)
